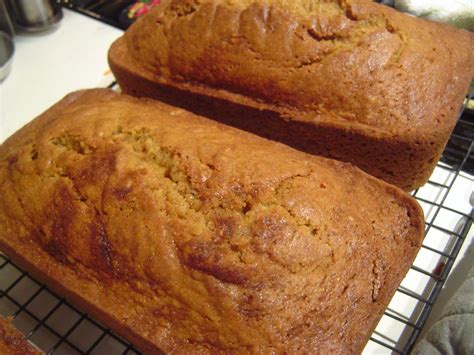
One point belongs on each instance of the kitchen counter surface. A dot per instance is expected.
(47, 66)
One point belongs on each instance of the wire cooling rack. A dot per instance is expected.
(57, 327)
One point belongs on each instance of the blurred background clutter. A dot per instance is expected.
(122, 13)
(118, 13)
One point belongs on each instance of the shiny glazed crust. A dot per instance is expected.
(351, 80)
(12, 342)
(188, 236)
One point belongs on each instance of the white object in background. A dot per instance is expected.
(459, 13)
(49, 65)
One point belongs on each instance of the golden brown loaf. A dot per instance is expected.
(347, 79)
(186, 235)
(12, 342)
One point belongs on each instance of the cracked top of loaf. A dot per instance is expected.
(191, 235)
(347, 62)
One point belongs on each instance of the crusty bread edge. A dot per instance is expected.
(135, 81)
(53, 279)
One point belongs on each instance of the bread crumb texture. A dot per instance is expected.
(346, 61)
(197, 237)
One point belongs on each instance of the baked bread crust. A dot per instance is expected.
(186, 235)
(351, 80)
(12, 342)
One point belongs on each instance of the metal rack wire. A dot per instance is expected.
(433, 198)
(57, 327)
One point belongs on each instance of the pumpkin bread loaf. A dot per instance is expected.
(188, 236)
(351, 80)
